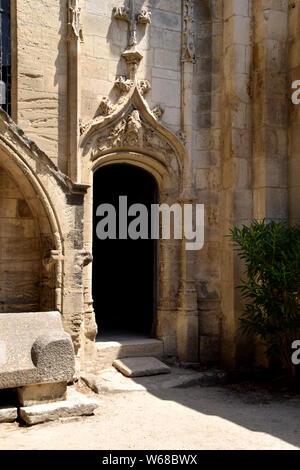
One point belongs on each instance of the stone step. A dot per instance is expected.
(111, 381)
(141, 366)
(109, 351)
(75, 404)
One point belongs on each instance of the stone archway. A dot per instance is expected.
(131, 133)
(20, 254)
(124, 270)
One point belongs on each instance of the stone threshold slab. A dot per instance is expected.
(141, 366)
(110, 381)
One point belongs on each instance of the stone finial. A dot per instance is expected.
(188, 53)
(74, 14)
(123, 84)
(144, 16)
(131, 54)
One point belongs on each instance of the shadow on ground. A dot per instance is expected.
(247, 404)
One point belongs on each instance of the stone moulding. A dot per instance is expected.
(74, 23)
(132, 126)
(188, 53)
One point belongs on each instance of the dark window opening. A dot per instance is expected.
(5, 56)
(124, 271)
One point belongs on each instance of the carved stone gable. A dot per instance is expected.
(132, 132)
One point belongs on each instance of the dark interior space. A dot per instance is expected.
(124, 271)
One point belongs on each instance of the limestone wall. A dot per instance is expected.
(42, 75)
(20, 254)
(244, 151)
(207, 156)
(106, 38)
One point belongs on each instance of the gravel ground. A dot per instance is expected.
(192, 418)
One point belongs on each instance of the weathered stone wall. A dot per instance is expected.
(106, 38)
(207, 156)
(270, 102)
(236, 193)
(20, 254)
(57, 208)
(243, 157)
(42, 75)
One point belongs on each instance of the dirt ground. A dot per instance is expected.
(197, 417)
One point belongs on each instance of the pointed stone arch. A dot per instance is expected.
(130, 132)
(57, 206)
(131, 128)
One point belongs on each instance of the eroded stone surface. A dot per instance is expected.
(110, 380)
(36, 394)
(8, 414)
(141, 366)
(108, 351)
(76, 404)
(34, 349)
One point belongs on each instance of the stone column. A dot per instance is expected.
(187, 317)
(74, 89)
(236, 194)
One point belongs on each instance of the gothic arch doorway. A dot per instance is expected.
(124, 270)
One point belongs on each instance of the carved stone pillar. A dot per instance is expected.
(187, 317)
(187, 70)
(74, 88)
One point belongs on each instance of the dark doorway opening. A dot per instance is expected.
(124, 270)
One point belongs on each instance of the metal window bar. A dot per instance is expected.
(5, 56)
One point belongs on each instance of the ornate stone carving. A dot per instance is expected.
(188, 47)
(131, 54)
(75, 26)
(121, 13)
(133, 132)
(157, 111)
(182, 137)
(84, 126)
(106, 106)
(123, 84)
(84, 258)
(144, 16)
(144, 86)
(133, 129)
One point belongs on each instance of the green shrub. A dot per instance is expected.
(271, 252)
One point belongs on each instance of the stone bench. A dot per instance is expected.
(36, 356)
